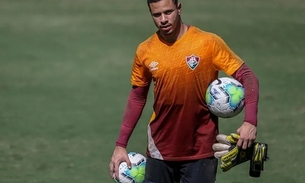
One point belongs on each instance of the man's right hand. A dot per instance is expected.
(119, 155)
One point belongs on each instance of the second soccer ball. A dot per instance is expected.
(136, 173)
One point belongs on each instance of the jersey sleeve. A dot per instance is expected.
(224, 58)
(140, 75)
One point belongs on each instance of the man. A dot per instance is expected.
(181, 131)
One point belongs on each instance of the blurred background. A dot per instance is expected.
(64, 81)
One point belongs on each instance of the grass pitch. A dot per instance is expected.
(64, 81)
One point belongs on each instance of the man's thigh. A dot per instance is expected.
(158, 171)
(199, 171)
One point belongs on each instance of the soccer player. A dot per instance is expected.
(181, 60)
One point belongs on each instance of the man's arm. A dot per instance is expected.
(247, 131)
(135, 105)
(250, 82)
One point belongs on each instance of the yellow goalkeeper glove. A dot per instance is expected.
(229, 154)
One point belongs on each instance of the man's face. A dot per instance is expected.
(166, 15)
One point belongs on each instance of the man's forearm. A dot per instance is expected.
(251, 86)
(135, 105)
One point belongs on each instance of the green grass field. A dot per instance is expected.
(64, 81)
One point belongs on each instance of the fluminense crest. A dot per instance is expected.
(192, 61)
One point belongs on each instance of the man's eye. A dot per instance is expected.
(156, 14)
(168, 12)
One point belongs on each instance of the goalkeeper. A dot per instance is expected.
(179, 61)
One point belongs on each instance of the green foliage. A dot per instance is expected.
(64, 82)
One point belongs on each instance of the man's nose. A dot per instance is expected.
(163, 19)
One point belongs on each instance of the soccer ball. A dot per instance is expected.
(225, 97)
(136, 173)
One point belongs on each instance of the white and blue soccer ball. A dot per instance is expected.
(225, 97)
(137, 172)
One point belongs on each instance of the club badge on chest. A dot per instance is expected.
(192, 61)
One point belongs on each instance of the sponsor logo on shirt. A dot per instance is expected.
(153, 65)
(192, 61)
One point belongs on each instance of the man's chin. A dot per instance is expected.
(166, 32)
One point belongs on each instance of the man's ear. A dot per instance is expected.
(179, 6)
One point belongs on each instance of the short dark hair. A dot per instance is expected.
(154, 1)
